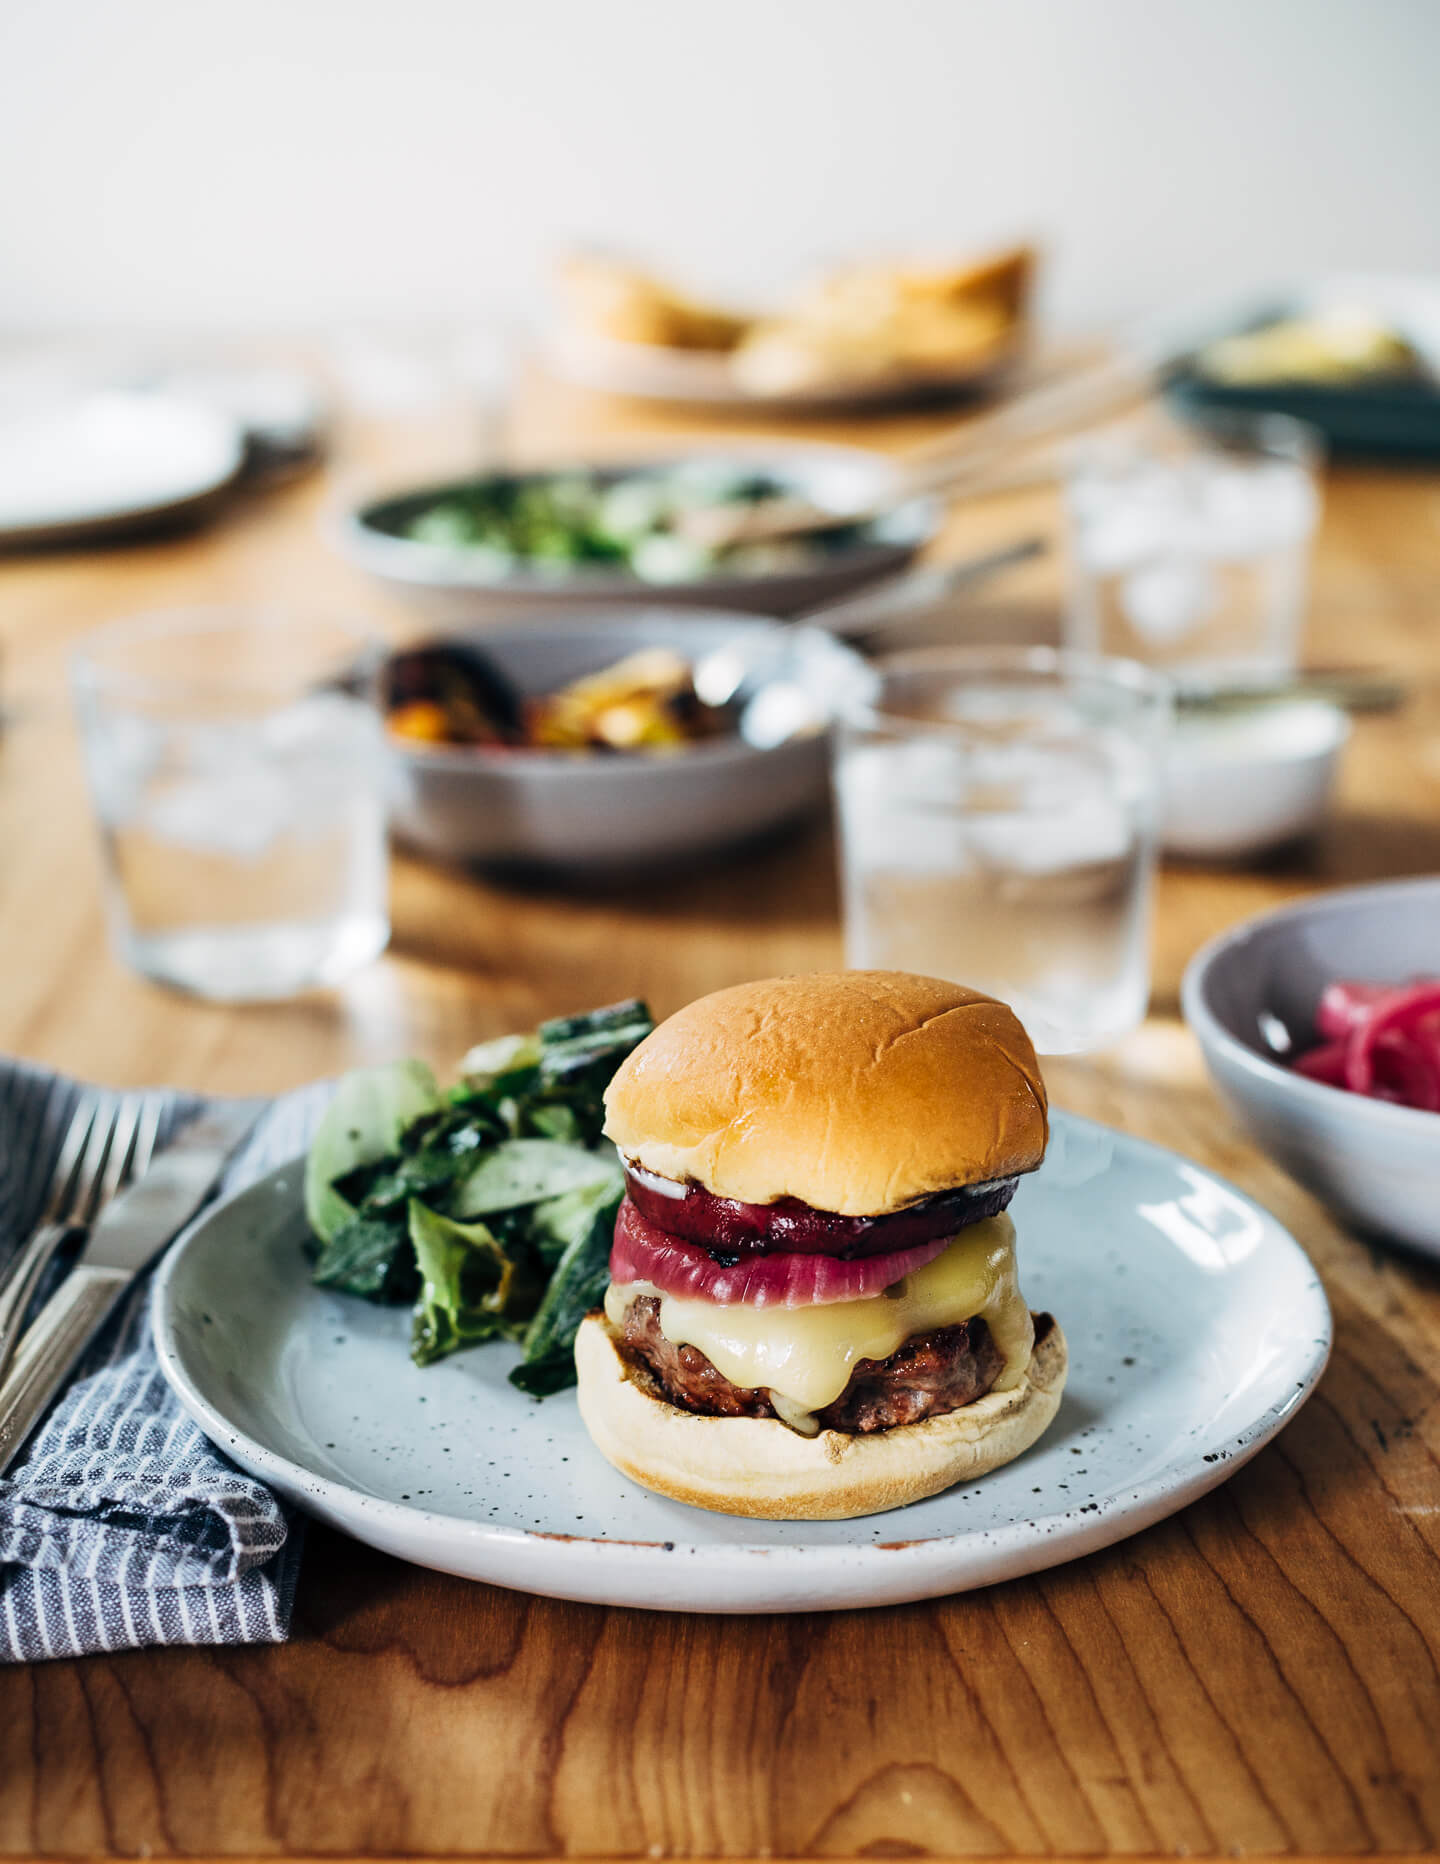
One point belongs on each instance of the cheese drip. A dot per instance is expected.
(804, 1356)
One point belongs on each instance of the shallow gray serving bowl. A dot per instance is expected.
(1376, 1165)
(454, 585)
(592, 811)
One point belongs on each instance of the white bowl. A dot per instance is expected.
(596, 811)
(456, 585)
(1238, 784)
(1377, 1165)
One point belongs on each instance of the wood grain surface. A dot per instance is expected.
(1260, 1674)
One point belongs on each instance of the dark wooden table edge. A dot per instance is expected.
(718, 1857)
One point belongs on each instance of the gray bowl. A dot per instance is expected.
(456, 585)
(591, 811)
(1375, 1164)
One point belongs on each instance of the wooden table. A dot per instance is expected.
(1259, 1674)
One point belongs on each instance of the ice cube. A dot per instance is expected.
(239, 811)
(1167, 599)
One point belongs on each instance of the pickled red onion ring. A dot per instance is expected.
(1383, 1041)
(1345, 1006)
(790, 1226)
(643, 1252)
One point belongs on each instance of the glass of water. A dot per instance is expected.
(236, 763)
(1190, 547)
(998, 811)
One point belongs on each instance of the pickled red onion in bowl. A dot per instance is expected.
(1380, 1040)
(1253, 997)
(643, 1252)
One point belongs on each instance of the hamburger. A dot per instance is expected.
(813, 1310)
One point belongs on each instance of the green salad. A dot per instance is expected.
(563, 522)
(489, 1206)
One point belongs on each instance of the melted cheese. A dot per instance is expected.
(804, 1356)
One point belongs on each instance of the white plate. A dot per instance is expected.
(1197, 1327)
(104, 462)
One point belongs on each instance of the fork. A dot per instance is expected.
(107, 1138)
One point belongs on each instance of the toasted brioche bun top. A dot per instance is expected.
(856, 1091)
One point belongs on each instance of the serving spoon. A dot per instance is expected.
(972, 459)
(1352, 689)
(721, 675)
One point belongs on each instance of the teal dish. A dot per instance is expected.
(1390, 420)
(1380, 416)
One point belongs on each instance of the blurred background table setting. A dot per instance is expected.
(586, 512)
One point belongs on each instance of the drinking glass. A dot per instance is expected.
(1190, 546)
(236, 764)
(998, 811)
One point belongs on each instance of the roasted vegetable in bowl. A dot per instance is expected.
(453, 693)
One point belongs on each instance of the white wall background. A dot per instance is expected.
(301, 162)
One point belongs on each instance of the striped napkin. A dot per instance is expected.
(122, 1525)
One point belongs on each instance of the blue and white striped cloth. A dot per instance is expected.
(122, 1525)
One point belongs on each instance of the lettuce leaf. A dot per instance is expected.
(577, 1283)
(557, 1222)
(368, 1257)
(363, 1123)
(470, 1289)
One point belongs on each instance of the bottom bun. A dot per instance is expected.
(758, 1466)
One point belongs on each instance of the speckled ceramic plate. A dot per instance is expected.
(1197, 1327)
